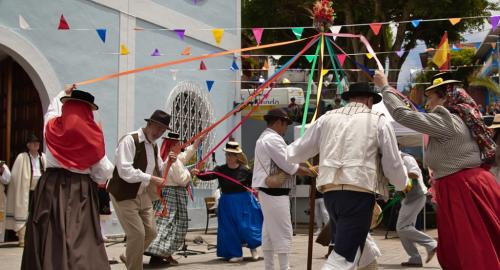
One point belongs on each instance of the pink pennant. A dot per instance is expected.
(376, 28)
(400, 53)
(341, 58)
(257, 33)
(202, 66)
(63, 24)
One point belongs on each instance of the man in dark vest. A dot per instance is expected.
(137, 173)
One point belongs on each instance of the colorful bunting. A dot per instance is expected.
(123, 49)
(369, 56)
(309, 58)
(101, 32)
(324, 72)
(335, 30)
(415, 23)
(376, 28)
(400, 52)
(277, 57)
(266, 65)
(297, 31)
(257, 33)
(186, 51)
(63, 24)
(454, 21)
(234, 66)
(341, 58)
(442, 55)
(494, 22)
(180, 33)
(218, 32)
(202, 65)
(23, 24)
(209, 85)
(156, 52)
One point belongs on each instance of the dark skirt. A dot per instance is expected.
(63, 230)
(468, 216)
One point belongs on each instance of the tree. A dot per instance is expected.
(279, 13)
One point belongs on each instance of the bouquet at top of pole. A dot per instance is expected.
(323, 15)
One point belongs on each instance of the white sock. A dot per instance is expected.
(283, 258)
(268, 259)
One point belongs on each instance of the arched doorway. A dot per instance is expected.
(21, 112)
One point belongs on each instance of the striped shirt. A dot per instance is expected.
(451, 147)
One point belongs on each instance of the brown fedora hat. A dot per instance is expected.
(160, 117)
(279, 113)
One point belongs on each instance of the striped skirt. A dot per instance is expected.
(172, 228)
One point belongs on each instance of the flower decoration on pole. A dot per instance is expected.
(323, 15)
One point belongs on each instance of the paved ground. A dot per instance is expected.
(392, 254)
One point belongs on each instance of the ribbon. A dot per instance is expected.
(321, 75)
(251, 190)
(308, 94)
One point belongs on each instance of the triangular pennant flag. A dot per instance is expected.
(257, 33)
(309, 58)
(209, 85)
(454, 21)
(102, 34)
(186, 51)
(156, 52)
(277, 57)
(376, 28)
(265, 66)
(174, 74)
(369, 55)
(234, 66)
(63, 24)
(202, 65)
(23, 24)
(123, 49)
(400, 52)
(341, 58)
(415, 23)
(218, 32)
(297, 31)
(180, 33)
(494, 22)
(324, 71)
(335, 30)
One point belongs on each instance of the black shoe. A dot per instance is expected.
(157, 261)
(410, 264)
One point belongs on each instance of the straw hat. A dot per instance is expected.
(440, 79)
(233, 147)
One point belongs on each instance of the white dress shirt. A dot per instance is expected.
(100, 172)
(270, 146)
(5, 176)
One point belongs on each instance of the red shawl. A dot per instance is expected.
(74, 138)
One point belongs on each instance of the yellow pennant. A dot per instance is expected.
(454, 21)
(369, 55)
(123, 49)
(218, 32)
(324, 71)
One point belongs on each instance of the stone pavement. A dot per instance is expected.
(392, 254)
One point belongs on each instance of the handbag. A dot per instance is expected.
(275, 180)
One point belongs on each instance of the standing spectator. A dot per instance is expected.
(293, 108)
(26, 171)
(4, 180)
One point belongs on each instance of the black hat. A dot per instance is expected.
(32, 138)
(160, 117)
(362, 89)
(173, 136)
(441, 79)
(279, 113)
(81, 96)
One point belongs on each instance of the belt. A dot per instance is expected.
(335, 187)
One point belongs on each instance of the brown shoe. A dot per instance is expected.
(430, 255)
(410, 264)
(171, 260)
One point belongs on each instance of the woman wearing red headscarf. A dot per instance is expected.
(63, 230)
(459, 152)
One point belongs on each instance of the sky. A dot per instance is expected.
(413, 60)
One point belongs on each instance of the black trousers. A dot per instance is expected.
(351, 212)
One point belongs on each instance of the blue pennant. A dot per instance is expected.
(234, 66)
(209, 85)
(102, 34)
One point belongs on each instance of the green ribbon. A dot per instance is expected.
(308, 94)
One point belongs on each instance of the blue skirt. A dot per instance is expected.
(239, 222)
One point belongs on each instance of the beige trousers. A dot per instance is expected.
(136, 217)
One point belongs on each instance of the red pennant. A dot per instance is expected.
(341, 58)
(202, 66)
(63, 24)
(375, 27)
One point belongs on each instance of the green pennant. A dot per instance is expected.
(310, 58)
(297, 31)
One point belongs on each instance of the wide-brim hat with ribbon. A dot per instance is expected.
(493, 124)
(233, 147)
(173, 136)
(362, 89)
(440, 79)
(83, 96)
(160, 117)
(280, 113)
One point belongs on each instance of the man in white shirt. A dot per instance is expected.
(138, 163)
(270, 157)
(351, 141)
(411, 206)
